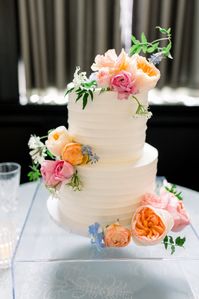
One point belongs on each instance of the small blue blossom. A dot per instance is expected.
(156, 58)
(94, 158)
(96, 235)
(86, 150)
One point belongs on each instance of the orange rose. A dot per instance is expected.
(115, 235)
(150, 225)
(72, 153)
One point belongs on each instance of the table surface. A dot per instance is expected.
(191, 199)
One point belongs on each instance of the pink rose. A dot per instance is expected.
(54, 172)
(154, 200)
(116, 235)
(176, 208)
(123, 84)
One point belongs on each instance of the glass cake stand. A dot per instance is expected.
(52, 263)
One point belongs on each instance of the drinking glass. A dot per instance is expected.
(9, 184)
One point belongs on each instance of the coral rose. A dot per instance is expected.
(72, 153)
(123, 84)
(57, 139)
(54, 172)
(115, 235)
(150, 225)
(147, 75)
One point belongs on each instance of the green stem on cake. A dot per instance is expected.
(75, 182)
(141, 110)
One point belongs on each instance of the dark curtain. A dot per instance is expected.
(183, 18)
(58, 35)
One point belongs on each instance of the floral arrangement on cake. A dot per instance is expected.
(126, 74)
(64, 153)
(155, 217)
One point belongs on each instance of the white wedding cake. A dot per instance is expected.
(126, 169)
(100, 171)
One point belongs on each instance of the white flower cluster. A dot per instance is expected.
(38, 149)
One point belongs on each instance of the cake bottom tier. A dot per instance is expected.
(110, 192)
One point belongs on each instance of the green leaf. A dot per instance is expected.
(85, 100)
(34, 174)
(134, 40)
(152, 48)
(79, 96)
(165, 241)
(136, 49)
(171, 240)
(143, 38)
(50, 155)
(68, 91)
(91, 94)
(180, 241)
(173, 249)
(162, 30)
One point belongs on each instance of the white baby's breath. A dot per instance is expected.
(79, 78)
(38, 149)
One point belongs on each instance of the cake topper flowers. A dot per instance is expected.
(56, 159)
(128, 74)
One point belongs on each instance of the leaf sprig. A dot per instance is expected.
(141, 109)
(169, 242)
(84, 92)
(154, 46)
(75, 182)
(34, 174)
(173, 190)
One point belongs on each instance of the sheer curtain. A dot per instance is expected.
(183, 18)
(57, 35)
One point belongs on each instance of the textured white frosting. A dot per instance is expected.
(127, 168)
(109, 125)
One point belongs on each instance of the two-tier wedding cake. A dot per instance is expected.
(100, 171)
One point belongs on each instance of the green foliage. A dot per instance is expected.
(34, 174)
(173, 190)
(85, 92)
(169, 242)
(75, 182)
(154, 46)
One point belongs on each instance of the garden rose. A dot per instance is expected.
(103, 77)
(57, 139)
(72, 153)
(115, 235)
(123, 84)
(176, 208)
(147, 75)
(54, 172)
(105, 61)
(150, 225)
(154, 200)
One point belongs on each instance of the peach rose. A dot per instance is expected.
(124, 63)
(154, 200)
(150, 225)
(147, 75)
(105, 61)
(72, 153)
(103, 77)
(57, 139)
(115, 235)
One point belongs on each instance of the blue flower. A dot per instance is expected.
(156, 58)
(94, 158)
(96, 235)
(86, 150)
